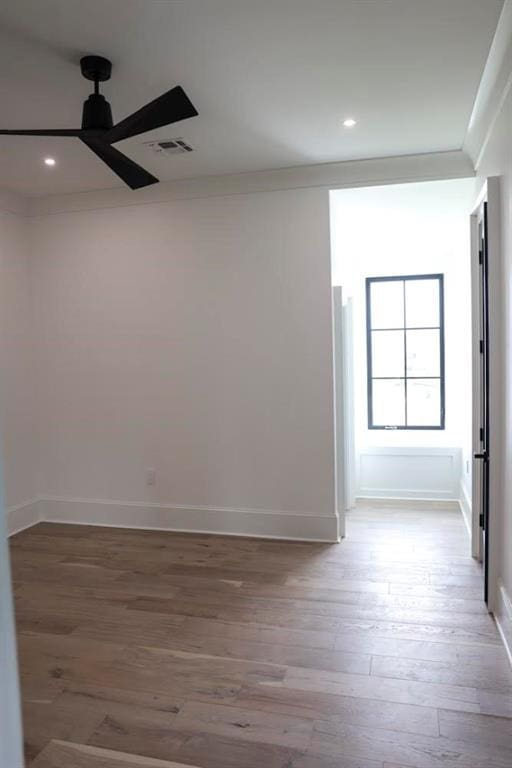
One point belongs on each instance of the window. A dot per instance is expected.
(405, 351)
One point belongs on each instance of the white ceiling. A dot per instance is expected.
(272, 80)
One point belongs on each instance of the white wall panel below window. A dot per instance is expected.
(409, 473)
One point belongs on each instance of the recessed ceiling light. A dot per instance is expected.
(349, 122)
(49, 161)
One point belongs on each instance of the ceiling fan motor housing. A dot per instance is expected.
(96, 114)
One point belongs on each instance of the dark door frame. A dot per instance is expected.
(487, 312)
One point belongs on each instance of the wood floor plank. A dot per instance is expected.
(393, 746)
(428, 603)
(73, 603)
(493, 703)
(322, 615)
(75, 660)
(303, 638)
(62, 657)
(238, 722)
(422, 694)
(168, 637)
(43, 721)
(347, 709)
(62, 754)
(42, 622)
(494, 676)
(394, 765)
(482, 654)
(39, 688)
(107, 700)
(476, 728)
(432, 590)
(341, 761)
(430, 632)
(166, 585)
(346, 585)
(208, 750)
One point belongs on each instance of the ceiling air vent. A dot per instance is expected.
(170, 147)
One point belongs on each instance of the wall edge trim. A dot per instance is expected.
(19, 517)
(465, 508)
(503, 618)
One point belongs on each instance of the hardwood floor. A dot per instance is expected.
(144, 649)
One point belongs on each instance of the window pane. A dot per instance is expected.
(424, 403)
(387, 304)
(388, 403)
(388, 353)
(422, 303)
(423, 353)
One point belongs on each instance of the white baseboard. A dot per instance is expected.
(401, 493)
(189, 519)
(503, 617)
(22, 516)
(408, 503)
(465, 508)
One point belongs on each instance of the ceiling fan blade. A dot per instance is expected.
(44, 132)
(171, 107)
(131, 173)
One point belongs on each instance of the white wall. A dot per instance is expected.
(120, 475)
(193, 337)
(16, 414)
(17, 408)
(11, 742)
(494, 158)
(410, 229)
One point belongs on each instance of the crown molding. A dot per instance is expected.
(494, 87)
(387, 170)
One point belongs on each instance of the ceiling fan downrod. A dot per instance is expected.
(96, 113)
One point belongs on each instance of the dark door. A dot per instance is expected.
(483, 454)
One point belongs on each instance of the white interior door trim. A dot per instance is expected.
(348, 412)
(339, 407)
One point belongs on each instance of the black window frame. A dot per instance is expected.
(406, 278)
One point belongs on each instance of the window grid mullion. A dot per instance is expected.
(404, 328)
(411, 328)
(405, 359)
(401, 378)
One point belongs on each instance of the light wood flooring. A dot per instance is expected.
(144, 649)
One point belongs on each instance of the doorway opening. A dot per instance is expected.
(402, 277)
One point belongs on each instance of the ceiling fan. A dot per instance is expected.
(98, 131)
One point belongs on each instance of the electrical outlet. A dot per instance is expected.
(150, 476)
